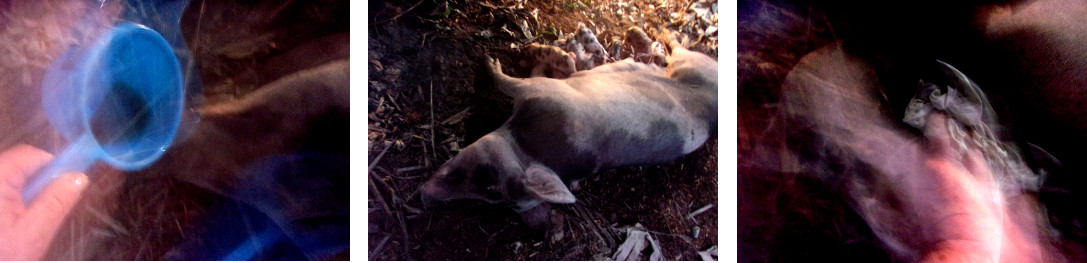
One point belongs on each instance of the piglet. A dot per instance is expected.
(551, 61)
(563, 130)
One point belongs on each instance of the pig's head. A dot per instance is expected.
(492, 170)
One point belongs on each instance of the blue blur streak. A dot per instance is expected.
(249, 248)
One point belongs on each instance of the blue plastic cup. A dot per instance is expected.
(118, 100)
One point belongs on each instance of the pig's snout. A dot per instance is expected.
(427, 201)
(434, 191)
(429, 193)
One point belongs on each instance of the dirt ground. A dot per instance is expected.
(428, 99)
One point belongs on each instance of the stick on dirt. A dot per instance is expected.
(434, 151)
(380, 198)
(699, 211)
(398, 214)
(378, 159)
(402, 13)
(456, 117)
(377, 249)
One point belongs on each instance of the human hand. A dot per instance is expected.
(969, 215)
(27, 230)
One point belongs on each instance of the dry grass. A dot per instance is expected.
(34, 33)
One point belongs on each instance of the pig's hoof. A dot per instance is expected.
(494, 65)
(668, 38)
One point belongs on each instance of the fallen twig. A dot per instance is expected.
(685, 238)
(456, 117)
(435, 152)
(582, 218)
(409, 168)
(380, 102)
(382, 170)
(388, 211)
(401, 13)
(699, 211)
(404, 230)
(412, 209)
(378, 159)
(377, 193)
(612, 235)
(426, 161)
(392, 191)
(378, 129)
(393, 100)
(380, 245)
(412, 195)
(596, 229)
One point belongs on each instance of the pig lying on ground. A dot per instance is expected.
(561, 131)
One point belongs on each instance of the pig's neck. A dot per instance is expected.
(559, 164)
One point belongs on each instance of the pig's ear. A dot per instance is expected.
(543, 182)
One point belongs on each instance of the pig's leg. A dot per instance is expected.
(510, 86)
(689, 67)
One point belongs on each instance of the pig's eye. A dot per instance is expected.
(493, 194)
(484, 175)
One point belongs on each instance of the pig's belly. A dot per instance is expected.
(601, 121)
(640, 118)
